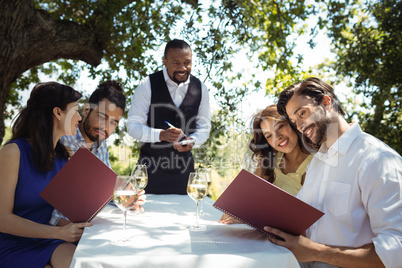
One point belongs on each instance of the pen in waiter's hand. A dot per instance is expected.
(170, 125)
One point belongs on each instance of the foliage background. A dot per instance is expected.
(123, 40)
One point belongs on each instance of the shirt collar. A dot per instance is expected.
(79, 136)
(342, 144)
(170, 81)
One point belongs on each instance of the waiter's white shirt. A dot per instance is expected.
(140, 105)
(357, 183)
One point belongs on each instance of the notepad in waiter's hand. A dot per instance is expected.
(259, 203)
(81, 188)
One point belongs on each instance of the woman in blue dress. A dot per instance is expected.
(28, 162)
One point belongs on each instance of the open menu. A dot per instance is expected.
(259, 203)
(81, 188)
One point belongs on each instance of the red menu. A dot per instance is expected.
(82, 187)
(259, 203)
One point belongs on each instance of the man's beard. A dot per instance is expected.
(87, 129)
(176, 80)
(320, 132)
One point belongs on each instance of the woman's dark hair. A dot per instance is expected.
(262, 150)
(314, 89)
(110, 90)
(35, 122)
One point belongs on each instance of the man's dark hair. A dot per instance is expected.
(110, 90)
(176, 43)
(314, 89)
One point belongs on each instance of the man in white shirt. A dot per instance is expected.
(169, 107)
(354, 178)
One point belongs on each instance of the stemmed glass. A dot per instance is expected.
(125, 196)
(140, 174)
(197, 189)
(208, 172)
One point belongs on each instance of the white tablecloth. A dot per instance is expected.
(160, 238)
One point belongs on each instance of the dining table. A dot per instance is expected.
(159, 237)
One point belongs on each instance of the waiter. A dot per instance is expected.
(170, 115)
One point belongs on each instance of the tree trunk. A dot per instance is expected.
(30, 37)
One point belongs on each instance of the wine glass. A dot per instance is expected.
(197, 189)
(140, 174)
(208, 172)
(125, 196)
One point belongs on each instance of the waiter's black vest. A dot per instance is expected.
(168, 169)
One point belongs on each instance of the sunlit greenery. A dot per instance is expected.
(130, 35)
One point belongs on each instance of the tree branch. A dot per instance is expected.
(51, 40)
